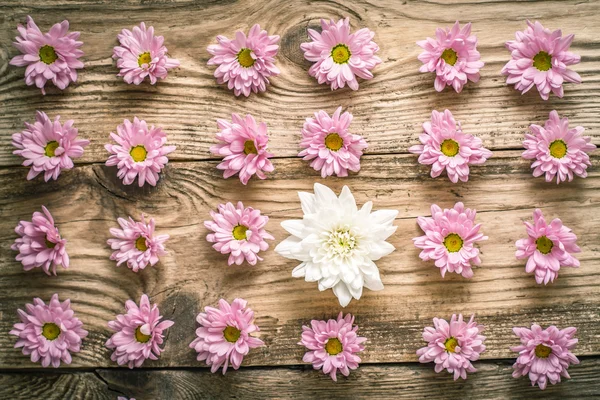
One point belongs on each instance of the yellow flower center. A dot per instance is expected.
(333, 142)
(49, 244)
(140, 337)
(340, 54)
(231, 334)
(239, 232)
(453, 242)
(449, 147)
(144, 58)
(47, 54)
(138, 153)
(542, 61)
(544, 245)
(250, 147)
(450, 344)
(333, 346)
(140, 244)
(542, 351)
(245, 59)
(50, 330)
(558, 149)
(449, 56)
(50, 148)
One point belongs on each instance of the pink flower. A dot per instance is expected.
(239, 232)
(243, 143)
(547, 248)
(139, 333)
(540, 57)
(124, 398)
(48, 146)
(339, 56)
(136, 244)
(140, 151)
(544, 354)
(49, 332)
(332, 345)
(141, 55)
(48, 56)
(450, 236)
(246, 62)
(328, 143)
(558, 151)
(224, 335)
(446, 147)
(453, 56)
(40, 244)
(453, 346)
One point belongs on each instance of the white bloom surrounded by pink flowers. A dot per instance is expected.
(140, 152)
(446, 147)
(453, 56)
(340, 56)
(245, 63)
(327, 142)
(559, 152)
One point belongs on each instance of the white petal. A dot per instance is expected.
(288, 247)
(293, 226)
(342, 293)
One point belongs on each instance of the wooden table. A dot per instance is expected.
(388, 112)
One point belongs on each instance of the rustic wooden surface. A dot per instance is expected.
(388, 112)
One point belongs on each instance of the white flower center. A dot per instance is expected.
(340, 242)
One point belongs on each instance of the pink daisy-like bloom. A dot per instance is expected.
(327, 142)
(243, 143)
(52, 56)
(239, 232)
(136, 244)
(141, 55)
(48, 146)
(540, 57)
(544, 354)
(139, 334)
(223, 337)
(246, 62)
(140, 152)
(446, 147)
(49, 332)
(40, 244)
(450, 237)
(453, 56)
(557, 150)
(332, 345)
(547, 248)
(453, 346)
(340, 56)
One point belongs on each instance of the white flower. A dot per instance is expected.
(337, 243)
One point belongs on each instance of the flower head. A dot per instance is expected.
(544, 354)
(327, 142)
(453, 56)
(223, 337)
(139, 334)
(450, 237)
(540, 57)
(332, 345)
(141, 55)
(243, 143)
(136, 244)
(340, 56)
(446, 147)
(140, 151)
(49, 332)
(246, 62)
(547, 248)
(453, 346)
(337, 243)
(48, 56)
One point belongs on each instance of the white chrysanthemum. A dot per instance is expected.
(337, 243)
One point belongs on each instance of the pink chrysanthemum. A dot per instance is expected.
(340, 56)
(48, 146)
(544, 354)
(243, 143)
(540, 57)
(48, 56)
(239, 232)
(547, 248)
(136, 243)
(139, 334)
(332, 345)
(40, 244)
(328, 143)
(141, 55)
(246, 62)
(453, 56)
(446, 147)
(453, 346)
(450, 237)
(557, 150)
(140, 151)
(49, 332)
(224, 335)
